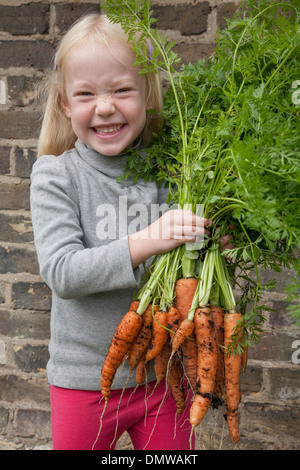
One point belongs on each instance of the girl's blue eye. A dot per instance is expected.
(85, 93)
(122, 90)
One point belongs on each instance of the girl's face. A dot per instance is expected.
(105, 97)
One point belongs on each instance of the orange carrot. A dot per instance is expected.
(185, 330)
(143, 339)
(161, 362)
(134, 305)
(207, 364)
(175, 380)
(174, 319)
(190, 353)
(126, 332)
(141, 371)
(218, 319)
(159, 335)
(185, 289)
(232, 376)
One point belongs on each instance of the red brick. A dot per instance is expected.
(32, 423)
(265, 417)
(190, 53)
(21, 90)
(25, 19)
(31, 296)
(17, 260)
(67, 14)
(189, 19)
(285, 384)
(31, 358)
(4, 160)
(273, 347)
(35, 53)
(24, 324)
(19, 124)
(24, 159)
(15, 389)
(14, 196)
(15, 228)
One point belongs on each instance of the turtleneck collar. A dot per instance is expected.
(112, 166)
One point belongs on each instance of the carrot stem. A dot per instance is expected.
(147, 292)
(207, 275)
(222, 276)
(170, 276)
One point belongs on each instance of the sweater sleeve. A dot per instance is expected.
(67, 266)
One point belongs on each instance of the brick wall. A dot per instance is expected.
(270, 417)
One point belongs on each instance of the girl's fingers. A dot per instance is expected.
(225, 240)
(225, 243)
(188, 219)
(189, 231)
(195, 220)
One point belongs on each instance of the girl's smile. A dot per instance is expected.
(109, 130)
(105, 97)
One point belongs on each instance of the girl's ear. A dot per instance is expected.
(65, 106)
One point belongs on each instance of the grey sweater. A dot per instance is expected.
(80, 217)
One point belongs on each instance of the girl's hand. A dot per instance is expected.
(174, 228)
(226, 241)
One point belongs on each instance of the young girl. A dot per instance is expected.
(89, 245)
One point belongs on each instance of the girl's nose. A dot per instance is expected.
(104, 105)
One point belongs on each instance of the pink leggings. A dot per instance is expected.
(151, 424)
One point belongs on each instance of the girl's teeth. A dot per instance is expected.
(107, 130)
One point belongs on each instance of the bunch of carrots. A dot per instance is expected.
(189, 342)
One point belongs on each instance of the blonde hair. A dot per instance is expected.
(57, 135)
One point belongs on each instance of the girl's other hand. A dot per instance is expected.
(226, 241)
